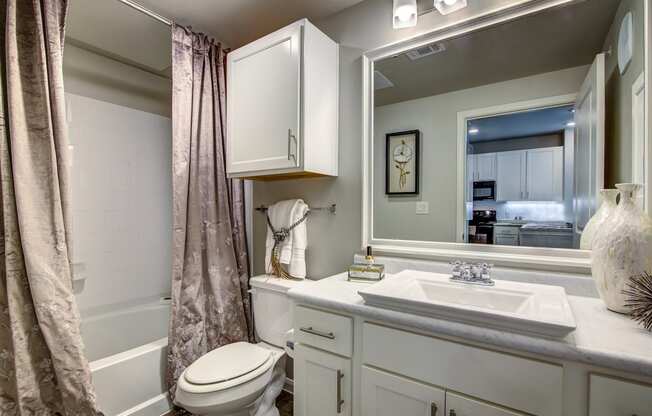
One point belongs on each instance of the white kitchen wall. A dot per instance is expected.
(121, 193)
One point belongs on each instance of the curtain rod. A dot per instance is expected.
(148, 12)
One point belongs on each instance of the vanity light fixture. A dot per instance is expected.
(474, 130)
(449, 6)
(405, 13)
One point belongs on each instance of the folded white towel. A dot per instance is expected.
(292, 251)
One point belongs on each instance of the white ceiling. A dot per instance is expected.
(236, 22)
(118, 31)
(549, 41)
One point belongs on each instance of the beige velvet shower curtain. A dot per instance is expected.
(210, 303)
(43, 370)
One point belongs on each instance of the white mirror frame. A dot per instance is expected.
(564, 260)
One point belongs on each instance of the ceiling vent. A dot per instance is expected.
(424, 51)
(381, 81)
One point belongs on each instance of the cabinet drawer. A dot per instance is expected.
(515, 382)
(614, 397)
(324, 330)
(464, 406)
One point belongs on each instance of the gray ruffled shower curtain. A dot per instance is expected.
(210, 303)
(43, 370)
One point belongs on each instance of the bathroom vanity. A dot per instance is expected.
(356, 359)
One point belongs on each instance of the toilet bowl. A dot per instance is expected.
(232, 380)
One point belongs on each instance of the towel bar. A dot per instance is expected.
(331, 208)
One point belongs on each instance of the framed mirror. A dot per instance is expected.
(520, 117)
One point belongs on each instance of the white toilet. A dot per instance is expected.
(231, 379)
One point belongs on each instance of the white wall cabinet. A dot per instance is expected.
(545, 174)
(282, 106)
(322, 383)
(510, 176)
(530, 175)
(482, 167)
(386, 394)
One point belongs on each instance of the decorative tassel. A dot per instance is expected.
(277, 268)
(639, 298)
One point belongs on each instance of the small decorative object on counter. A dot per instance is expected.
(621, 248)
(608, 206)
(367, 271)
(639, 299)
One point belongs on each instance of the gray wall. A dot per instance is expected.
(618, 133)
(436, 118)
(333, 239)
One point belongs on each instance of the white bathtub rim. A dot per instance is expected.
(102, 363)
(154, 402)
(102, 312)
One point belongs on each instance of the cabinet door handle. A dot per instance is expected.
(340, 401)
(433, 409)
(310, 330)
(291, 138)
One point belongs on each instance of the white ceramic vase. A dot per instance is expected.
(621, 248)
(609, 197)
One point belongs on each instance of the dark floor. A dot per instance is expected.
(284, 402)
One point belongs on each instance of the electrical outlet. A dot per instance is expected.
(422, 207)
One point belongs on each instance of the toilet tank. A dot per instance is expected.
(271, 307)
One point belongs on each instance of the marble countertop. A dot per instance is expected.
(602, 338)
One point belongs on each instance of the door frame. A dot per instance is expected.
(462, 139)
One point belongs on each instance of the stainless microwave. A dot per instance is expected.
(484, 190)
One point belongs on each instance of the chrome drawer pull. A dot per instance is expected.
(312, 331)
(340, 401)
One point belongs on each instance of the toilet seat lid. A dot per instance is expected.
(226, 363)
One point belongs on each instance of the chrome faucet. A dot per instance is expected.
(471, 273)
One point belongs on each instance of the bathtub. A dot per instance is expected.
(127, 350)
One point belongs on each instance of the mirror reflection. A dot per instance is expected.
(505, 135)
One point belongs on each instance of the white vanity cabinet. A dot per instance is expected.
(282, 106)
(457, 405)
(322, 383)
(386, 394)
(610, 396)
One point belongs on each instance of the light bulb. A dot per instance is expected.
(404, 13)
(449, 2)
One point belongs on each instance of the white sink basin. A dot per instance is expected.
(539, 310)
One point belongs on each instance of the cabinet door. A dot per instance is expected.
(264, 98)
(322, 383)
(510, 176)
(486, 166)
(385, 394)
(614, 397)
(464, 406)
(545, 174)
